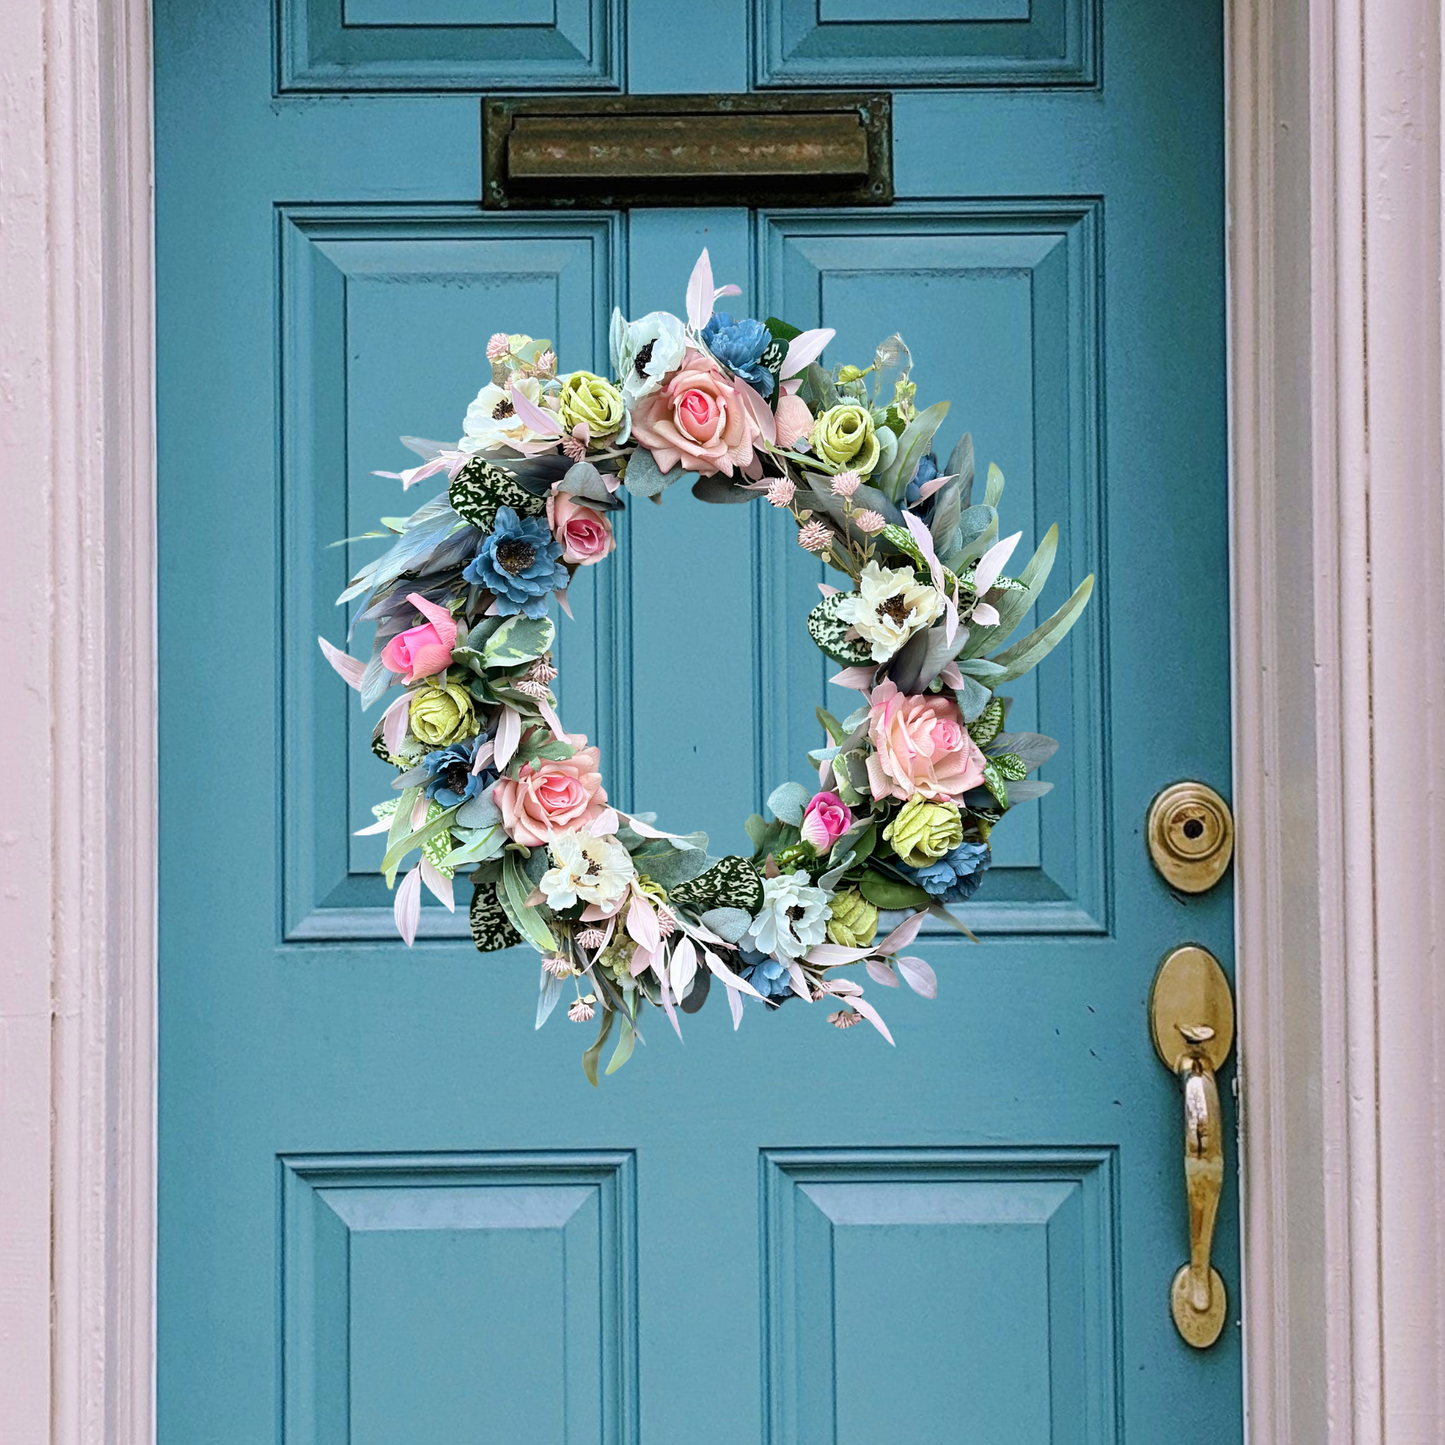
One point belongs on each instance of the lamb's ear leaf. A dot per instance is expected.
(589, 1059)
(960, 465)
(787, 802)
(978, 526)
(1013, 606)
(1029, 651)
(972, 698)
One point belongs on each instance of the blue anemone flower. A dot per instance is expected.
(450, 779)
(955, 877)
(765, 973)
(739, 345)
(519, 563)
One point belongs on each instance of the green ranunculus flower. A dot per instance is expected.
(923, 831)
(853, 922)
(594, 400)
(844, 439)
(442, 715)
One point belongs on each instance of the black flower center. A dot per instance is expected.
(514, 555)
(795, 912)
(893, 609)
(503, 409)
(644, 355)
(593, 867)
(455, 777)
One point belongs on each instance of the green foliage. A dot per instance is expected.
(1031, 650)
(491, 928)
(891, 893)
(827, 629)
(988, 724)
(519, 639)
(481, 489)
(730, 882)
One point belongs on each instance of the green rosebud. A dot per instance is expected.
(851, 373)
(844, 439)
(923, 831)
(853, 922)
(442, 715)
(595, 401)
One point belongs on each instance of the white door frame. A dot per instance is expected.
(1335, 182)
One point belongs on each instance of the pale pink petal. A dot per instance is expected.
(727, 975)
(950, 618)
(985, 574)
(830, 955)
(951, 676)
(918, 976)
(843, 987)
(642, 923)
(871, 1014)
(858, 678)
(805, 347)
(550, 717)
(735, 1005)
(880, 972)
(484, 754)
(419, 811)
(564, 604)
(682, 968)
(438, 616)
(509, 735)
(762, 414)
(667, 1006)
(532, 415)
(799, 980)
(407, 907)
(729, 290)
(901, 936)
(924, 538)
(394, 723)
(986, 614)
(929, 488)
(439, 884)
(350, 669)
(605, 822)
(648, 831)
(826, 590)
(700, 292)
(382, 825)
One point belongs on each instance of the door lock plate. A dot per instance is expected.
(1191, 836)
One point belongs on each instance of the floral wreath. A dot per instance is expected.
(910, 784)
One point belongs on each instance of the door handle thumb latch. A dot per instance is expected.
(1191, 1014)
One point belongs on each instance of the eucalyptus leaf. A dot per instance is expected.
(583, 480)
(644, 478)
(676, 865)
(720, 489)
(979, 527)
(1027, 791)
(1033, 750)
(727, 923)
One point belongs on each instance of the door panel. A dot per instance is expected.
(390, 1210)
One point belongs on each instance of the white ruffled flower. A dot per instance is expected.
(645, 352)
(492, 421)
(794, 917)
(594, 870)
(890, 606)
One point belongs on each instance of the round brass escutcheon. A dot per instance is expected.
(1197, 1328)
(1190, 1005)
(1191, 836)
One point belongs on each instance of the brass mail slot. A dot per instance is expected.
(687, 150)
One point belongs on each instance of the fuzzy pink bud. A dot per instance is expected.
(870, 522)
(846, 483)
(498, 346)
(781, 492)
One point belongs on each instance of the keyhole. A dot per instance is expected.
(1193, 828)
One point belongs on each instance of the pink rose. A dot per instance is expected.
(698, 419)
(551, 796)
(921, 746)
(826, 818)
(585, 534)
(422, 651)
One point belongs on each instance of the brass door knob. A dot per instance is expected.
(1191, 1016)
(1191, 836)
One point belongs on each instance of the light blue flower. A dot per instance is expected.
(765, 973)
(955, 877)
(450, 779)
(519, 563)
(739, 345)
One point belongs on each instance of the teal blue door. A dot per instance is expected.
(391, 1212)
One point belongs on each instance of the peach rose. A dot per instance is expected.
(698, 419)
(585, 534)
(921, 746)
(551, 796)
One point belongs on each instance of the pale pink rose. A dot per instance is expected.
(794, 420)
(422, 651)
(921, 746)
(698, 419)
(551, 796)
(585, 534)
(826, 818)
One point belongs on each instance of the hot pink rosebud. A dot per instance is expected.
(826, 818)
(422, 651)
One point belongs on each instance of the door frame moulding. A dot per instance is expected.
(1333, 131)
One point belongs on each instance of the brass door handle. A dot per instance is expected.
(1192, 1018)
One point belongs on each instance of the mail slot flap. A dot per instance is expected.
(687, 150)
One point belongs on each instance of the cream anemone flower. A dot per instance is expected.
(889, 607)
(587, 869)
(492, 420)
